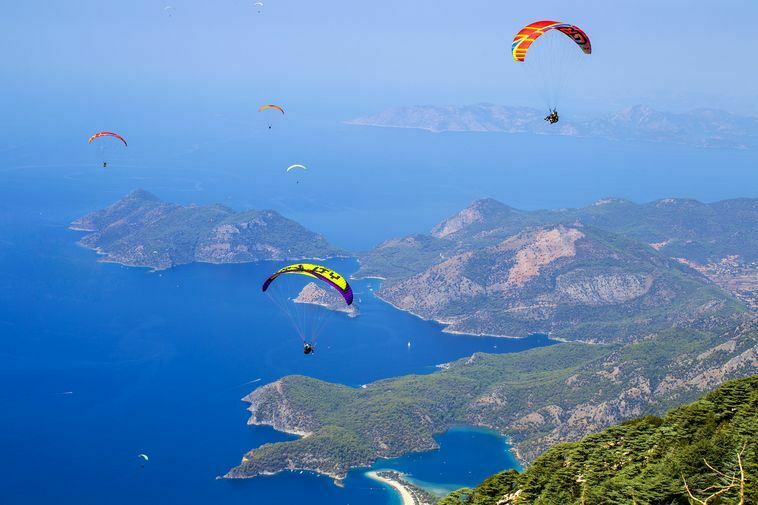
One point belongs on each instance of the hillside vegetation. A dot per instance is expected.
(141, 230)
(704, 452)
(538, 397)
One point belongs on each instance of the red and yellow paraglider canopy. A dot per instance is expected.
(531, 32)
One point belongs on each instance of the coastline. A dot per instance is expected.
(408, 494)
(107, 257)
(351, 313)
(446, 325)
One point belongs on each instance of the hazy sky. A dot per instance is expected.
(81, 58)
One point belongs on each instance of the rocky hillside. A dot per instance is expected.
(613, 270)
(140, 230)
(538, 397)
(702, 451)
(328, 298)
(573, 282)
(699, 127)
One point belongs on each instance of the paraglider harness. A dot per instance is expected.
(307, 348)
(552, 118)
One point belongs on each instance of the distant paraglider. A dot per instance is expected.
(107, 134)
(270, 107)
(259, 5)
(552, 60)
(169, 10)
(104, 145)
(143, 459)
(300, 298)
(266, 107)
(297, 166)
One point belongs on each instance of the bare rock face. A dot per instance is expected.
(314, 294)
(549, 279)
(582, 287)
(269, 406)
(458, 222)
(474, 218)
(538, 250)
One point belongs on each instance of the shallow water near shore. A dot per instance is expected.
(466, 457)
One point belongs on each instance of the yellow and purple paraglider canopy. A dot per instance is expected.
(317, 272)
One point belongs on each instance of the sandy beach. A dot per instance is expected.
(405, 494)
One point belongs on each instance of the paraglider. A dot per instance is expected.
(169, 9)
(319, 272)
(300, 290)
(551, 60)
(530, 33)
(259, 5)
(143, 459)
(293, 167)
(105, 134)
(270, 107)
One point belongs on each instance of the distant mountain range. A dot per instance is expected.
(612, 271)
(699, 127)
(141, 230)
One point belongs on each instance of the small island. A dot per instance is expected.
(329, 299)
(143, 231)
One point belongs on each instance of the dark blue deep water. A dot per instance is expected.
(99, 362)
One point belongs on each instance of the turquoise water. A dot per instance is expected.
(99, 362)
(466, 457)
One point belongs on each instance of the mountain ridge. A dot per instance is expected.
(702, 127)
(141, 230)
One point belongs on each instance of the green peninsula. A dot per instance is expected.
(539, 398)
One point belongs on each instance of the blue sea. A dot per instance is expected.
(100, 362)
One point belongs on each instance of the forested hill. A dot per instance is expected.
(709, 447)
(141, 230)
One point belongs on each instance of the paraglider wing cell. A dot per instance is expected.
(527, 35)
(317, 272)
